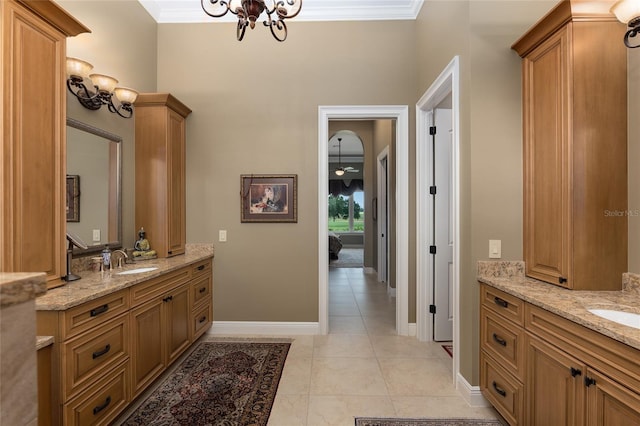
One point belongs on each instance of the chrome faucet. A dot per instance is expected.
(124, 256)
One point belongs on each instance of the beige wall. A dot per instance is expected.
(634, 156)
(122, 44)
(255, 110)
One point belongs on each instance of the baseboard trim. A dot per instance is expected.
(471, 394)
(369, 270)
(413, 329)
(264, 328)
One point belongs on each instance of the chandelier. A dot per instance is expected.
(248, 12)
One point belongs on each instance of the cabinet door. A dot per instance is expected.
(32, 181)
(547, 165)
(554, 385)
(148, 344)
(178, 318)
(609, 403)
(176, 222)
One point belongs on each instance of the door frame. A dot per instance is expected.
(366, 112)
(448, 82)
(383, 216)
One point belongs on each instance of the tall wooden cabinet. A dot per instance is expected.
(575, 147)
(160, 171)
(33, 157)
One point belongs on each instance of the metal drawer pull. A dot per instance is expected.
(501, 302)
(500, 391)
(588, 381)
(102, 352)
(499, 340)
(203, 289)
(200, 268)
(203, 319)
(99, 310)
(104, 405)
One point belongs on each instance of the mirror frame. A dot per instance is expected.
(76, 124)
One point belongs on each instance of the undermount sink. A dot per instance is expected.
(137, 270)
(629, 319)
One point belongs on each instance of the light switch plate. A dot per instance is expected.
(495, 249)
(222, 236)
(96, 235)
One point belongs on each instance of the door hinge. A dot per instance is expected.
(432, 130)
(432, 309)
(432, 190)
(432, 249)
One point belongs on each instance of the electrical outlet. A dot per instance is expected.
(495, 249)
(96, 235)
(222, 236)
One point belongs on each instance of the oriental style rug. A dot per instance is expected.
(372, 421)
(218, 383)
(448, 349)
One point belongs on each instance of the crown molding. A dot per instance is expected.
(189, 11)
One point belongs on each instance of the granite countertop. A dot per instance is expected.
(93, 285)
(573, 305)
(43, 342)
(19, 287)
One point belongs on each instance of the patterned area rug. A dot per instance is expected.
(448, 349)
(348, 258)
(219, 383)
(371, 421)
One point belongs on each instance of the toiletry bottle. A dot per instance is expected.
(106, 258)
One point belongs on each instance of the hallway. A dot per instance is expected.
(362, 368)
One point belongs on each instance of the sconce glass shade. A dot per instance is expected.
(339, 171)
(78, 68)
(126, 95)
(104, 82)
(626, 10)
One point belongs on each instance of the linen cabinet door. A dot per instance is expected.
(609, 403)
(176, 223)
(554, 386)
(148, 344)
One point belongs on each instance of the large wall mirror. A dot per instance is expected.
(93, 186)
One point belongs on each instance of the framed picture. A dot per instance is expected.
(268, 198)
(374, 208)
(73, 198)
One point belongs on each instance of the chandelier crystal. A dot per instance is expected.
(248, 12)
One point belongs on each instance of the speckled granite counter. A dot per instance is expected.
(18, 287)
(93, 285)
(570, 304)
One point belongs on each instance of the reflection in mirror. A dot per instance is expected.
(93, 190)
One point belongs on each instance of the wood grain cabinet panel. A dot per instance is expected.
(574, 72)
(160, 171)
(32, 177)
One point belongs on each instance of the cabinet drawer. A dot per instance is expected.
(503, 340)
(88, 315)
(201, 289)
(501, 389)
(201, 320)
(88, 356)
(202, 268)
(502, 303)
(156, 287)
(101, 403)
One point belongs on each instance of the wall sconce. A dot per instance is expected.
(628, 12)
(101, 91)
(248, 11)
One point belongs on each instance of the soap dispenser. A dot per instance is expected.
(106, 258)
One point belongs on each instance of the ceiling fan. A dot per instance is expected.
(342, 170)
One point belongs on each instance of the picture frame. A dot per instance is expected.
(374, 208)
(73, 198)
(269, 198)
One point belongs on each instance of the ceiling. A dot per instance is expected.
(182, 11)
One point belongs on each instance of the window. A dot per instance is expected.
(346, 213)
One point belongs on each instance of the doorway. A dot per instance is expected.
(446, 86)
(401, 116)
(382, 213)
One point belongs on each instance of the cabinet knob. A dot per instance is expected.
(575, 372)
(562, 280)
(588, 381)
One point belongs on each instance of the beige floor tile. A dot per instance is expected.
(301, 346)
(345, 309)
(439, 406)
(289, 410)
(405, 347)
(346, 325)
(380, 325)
(346, 376)
(343, 346)
(417, 377)
(342, 410)
(296, 376)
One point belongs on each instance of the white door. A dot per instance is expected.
(382, 213)
(443, 224)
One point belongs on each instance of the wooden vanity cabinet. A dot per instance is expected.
(572, 375)
(32, 161)
(201, 298)
(574, 73)
(160, 130)
(160, 320)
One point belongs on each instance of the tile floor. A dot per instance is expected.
(362, 368)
